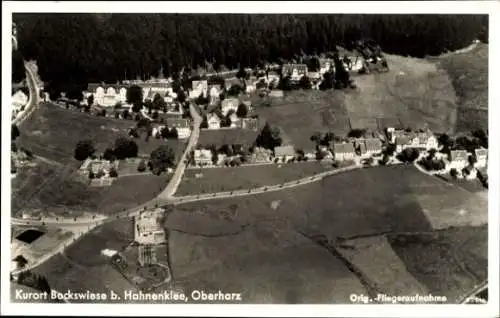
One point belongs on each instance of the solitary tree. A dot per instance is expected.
(269, 138)
(161, 158)
(305, 82)
(109, 154)
(90, 100)
(158, 102)
(134, 97)
(125, 148)
(242, 111)
(173, 133)
(84, 149)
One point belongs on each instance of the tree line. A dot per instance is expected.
(86, 47)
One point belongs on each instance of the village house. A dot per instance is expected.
(19, 99)
(402, 142)
(458, 159)
(199, 88)
(213, 121)
(295, 71)
(284, 153)
(182, 125)
(214, 94)
(148, 227)
(314, 75)
(426, 140)
(481, 155)
(97, 166)
(344, 151)
(202, 157)
(368, 146)
(276, 93)
(250, 123)
(235, 121)
(106, 96)
(260, 155)
(469, 172)
(325, 65)
(229, 104)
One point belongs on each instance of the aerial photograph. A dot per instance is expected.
(192, 158)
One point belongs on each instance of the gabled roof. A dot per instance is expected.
(230, 102)
(343, 148)
(177, 122)
(202, 153)
(403, 140)
(373, 144)
(288, 68)
(458, 155)
(212, 116)
(481, 152)
(197, 84)
(284, 151)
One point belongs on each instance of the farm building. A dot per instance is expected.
(213, 121)
(284, 152)
(203, 157)
(295, 71)
(458, 159)
(149, 227)
(481, 155)
(229, 104)
(343, 151)
(182, 126)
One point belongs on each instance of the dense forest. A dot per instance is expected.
(81, 48)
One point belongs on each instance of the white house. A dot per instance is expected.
(182, 126)
(214, 94)
(250, 88)
(203, 156)
(469, 172)
(148, 227)
(481, 157)
(427, 140)
(458, 159)
(344, 151)
(235, 121)
(229, 104)
(213, 121)
(284, 153)
(19, 99)
(325, 65)
(295, 71)
(199, 88)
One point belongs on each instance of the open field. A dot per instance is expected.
(61, 189)
(53, 133)
(227, 136)
(214, 237)
(245, 177)
(469, 76)
(450, 262)
(302, 113)
(259, 244)
(445, 94)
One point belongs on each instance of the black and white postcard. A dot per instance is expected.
(171, 154)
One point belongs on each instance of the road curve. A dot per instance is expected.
(34, 95)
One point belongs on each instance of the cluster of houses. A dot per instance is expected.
(98, 171)
(182, 125)
(458, 161)
(19, 102)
